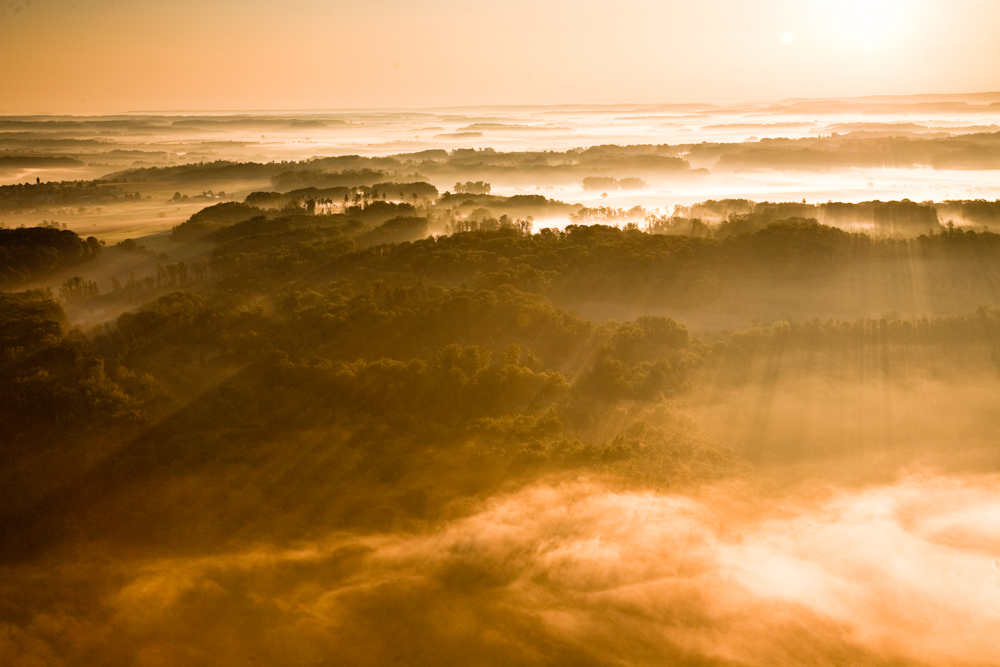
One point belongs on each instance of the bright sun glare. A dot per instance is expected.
(861, 24)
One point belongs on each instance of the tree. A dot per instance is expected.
(78, 289)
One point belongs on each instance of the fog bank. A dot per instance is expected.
(576, 572)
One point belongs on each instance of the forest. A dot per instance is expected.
(432, 368)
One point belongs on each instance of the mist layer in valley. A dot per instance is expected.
(850, 149)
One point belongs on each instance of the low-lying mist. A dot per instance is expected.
(581, 571)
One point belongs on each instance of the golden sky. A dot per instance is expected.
(85, 56)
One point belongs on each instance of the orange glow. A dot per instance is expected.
(136, 55)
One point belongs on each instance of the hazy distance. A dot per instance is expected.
(100, 145)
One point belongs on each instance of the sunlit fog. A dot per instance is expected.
(432, 334)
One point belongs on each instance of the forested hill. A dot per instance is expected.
(623, 266)
(27, 254)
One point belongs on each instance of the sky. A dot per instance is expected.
(107, 56)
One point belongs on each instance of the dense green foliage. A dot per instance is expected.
(595, 263)
(476, 166)
(347, 194)
(26, 254)
(213, 217)
(403, 382)
(895, 218)
(381, 359)
(974, 212)
(971, 151)
(53, 383)
(43, 196)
